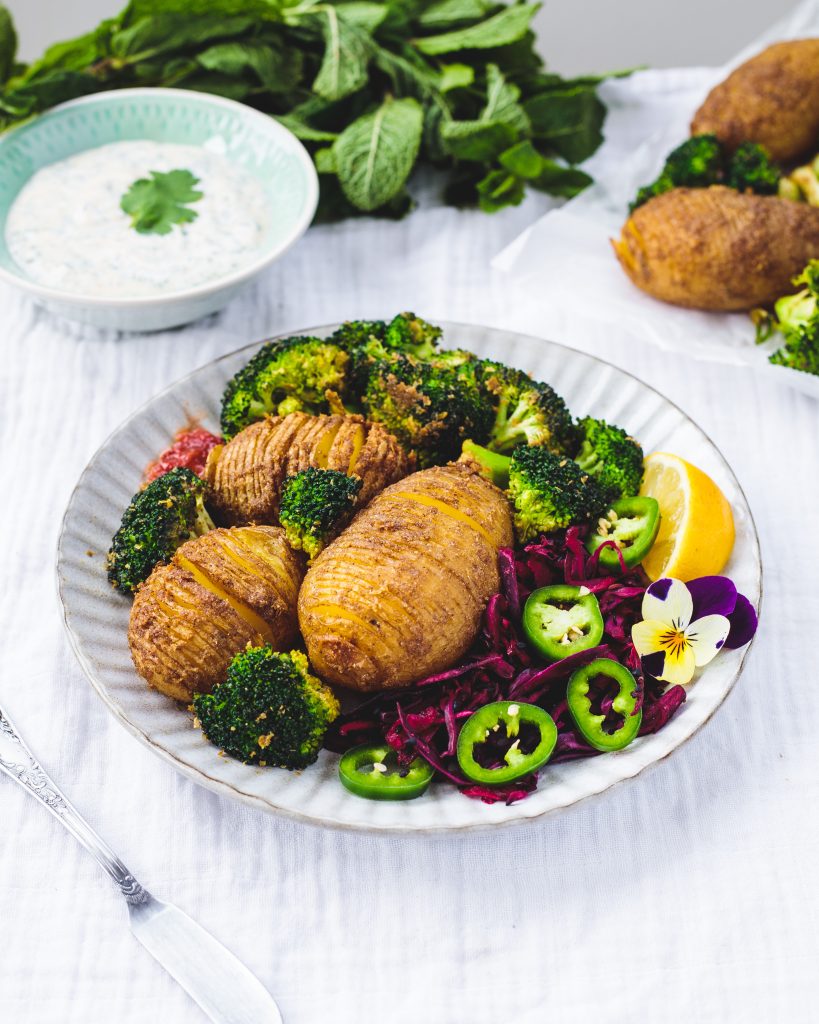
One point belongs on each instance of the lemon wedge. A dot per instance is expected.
(697, 532)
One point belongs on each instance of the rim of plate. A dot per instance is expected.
(269, 125)
(233, 792)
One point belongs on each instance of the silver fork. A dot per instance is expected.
(222, 986)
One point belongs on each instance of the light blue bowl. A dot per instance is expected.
(254, 141)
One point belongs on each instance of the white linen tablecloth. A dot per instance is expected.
(689, 895)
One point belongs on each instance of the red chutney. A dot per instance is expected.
(190, 449)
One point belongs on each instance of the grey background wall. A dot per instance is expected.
(577, 35)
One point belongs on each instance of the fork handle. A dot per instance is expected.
(17, 761)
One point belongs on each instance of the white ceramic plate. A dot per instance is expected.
(97, 618)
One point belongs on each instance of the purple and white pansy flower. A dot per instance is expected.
(685, 625)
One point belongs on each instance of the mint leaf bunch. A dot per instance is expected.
(156, 203)
(375, 90)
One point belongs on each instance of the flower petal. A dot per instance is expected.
(646, 636)
(678, 668)
(651, 664)
(743, 623)
(712, 595)
(668, 601)
(706, 636)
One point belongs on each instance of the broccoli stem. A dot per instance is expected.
(494, 466)
(203, 523)
(510, 431)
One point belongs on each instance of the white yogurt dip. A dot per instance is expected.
(66, 230)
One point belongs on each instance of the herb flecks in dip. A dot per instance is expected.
(67, 230)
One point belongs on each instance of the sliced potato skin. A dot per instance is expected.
(246, 474)
(400, 594)
(773, 99)
(717, 249)
(220, 592)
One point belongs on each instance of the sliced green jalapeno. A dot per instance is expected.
(504, 741)
(606, 720)
(562, 620)
(373, 772)
(632, 524)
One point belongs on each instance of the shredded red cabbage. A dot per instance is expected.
(424, 720)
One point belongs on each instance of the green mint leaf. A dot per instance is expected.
(480, 141)
(152, 36)
(155, 204)
(507, 26)
(44, 92)
(272, 63)
(376, 153)
(571, 121)
(499, 189)
(269, 10)
(313, 120)
(502, 102)
(450, 13)
(347, 54)
(304, 131)
(73, 55)
(409, 74)
(433, 144)
(455, 76)
(537, 171)
(522, 160)
(325, 160)
(559, 180)
(363, 14)
(219, 85)
(8, 43)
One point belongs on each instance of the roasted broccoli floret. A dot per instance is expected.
(525, 411)
(752, 170)
(800, 351)
(613, 458)
(269, 710)
(796, 317)
(285, 376)
(369, 341)
(315, 506)
(802, 184)
(702, 161)
(411, 335)
(430, 409)
(169, 511)
(697, 163)
(353, 333)
(551, 492)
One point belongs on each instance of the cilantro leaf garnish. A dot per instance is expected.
(155, 204)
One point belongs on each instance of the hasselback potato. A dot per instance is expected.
(773, 99)
(246, 474)
(220, 592)
(717, 249)
(401, 592)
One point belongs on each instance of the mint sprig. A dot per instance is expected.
(374, 90)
